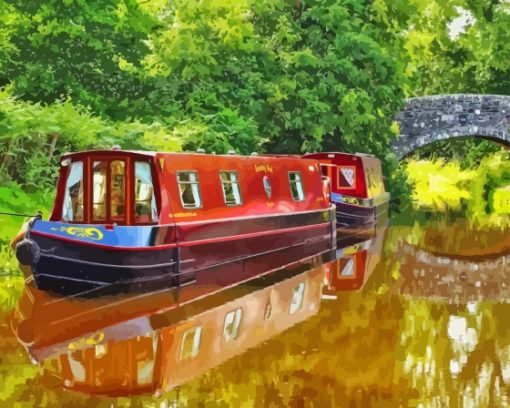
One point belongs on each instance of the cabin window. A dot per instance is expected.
(267, 186)
(99, 190)
(117, 190)
(348, 269)
(231, 327)
(188, 188)
(145, 202)
(296, 186)
(76, 364)
(230, 185)
(73, 198)
(297, 298)
(346, 177)
(191, 343)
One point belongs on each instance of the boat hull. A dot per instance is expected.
(208, 253)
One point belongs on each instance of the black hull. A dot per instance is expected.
(74, 269)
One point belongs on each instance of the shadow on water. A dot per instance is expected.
(379, 322)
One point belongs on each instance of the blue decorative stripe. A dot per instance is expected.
(335, 197)
(125, 236)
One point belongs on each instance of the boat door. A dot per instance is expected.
(108, 193)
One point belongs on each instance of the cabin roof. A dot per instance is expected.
(194, 154)
(325, 154)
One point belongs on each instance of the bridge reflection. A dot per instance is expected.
(459, 280)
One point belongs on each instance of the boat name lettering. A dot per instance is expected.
(185, 214)
(263, 168)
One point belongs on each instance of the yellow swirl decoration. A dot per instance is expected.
(84, 232)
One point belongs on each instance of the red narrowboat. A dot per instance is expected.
(124, 219)
(357, 187)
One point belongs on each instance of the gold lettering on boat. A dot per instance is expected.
(185, 214)
(263, 168)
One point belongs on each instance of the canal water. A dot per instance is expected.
(385, 321)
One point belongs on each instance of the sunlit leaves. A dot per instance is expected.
(438, 185)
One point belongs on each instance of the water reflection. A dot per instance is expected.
(381, 322)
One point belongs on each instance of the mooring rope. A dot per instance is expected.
(19, 214)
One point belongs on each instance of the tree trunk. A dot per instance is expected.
(53, 145)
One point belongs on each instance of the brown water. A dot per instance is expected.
(385, 324)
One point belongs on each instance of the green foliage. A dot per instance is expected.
(467, 151)
(34, 136)
(458, 46)
(10, 290)
(443, 187)
(75, 49)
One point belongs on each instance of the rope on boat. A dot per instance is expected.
(21, 215)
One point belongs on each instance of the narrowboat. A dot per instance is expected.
(128, 220)
(153, 352)
(357, 188)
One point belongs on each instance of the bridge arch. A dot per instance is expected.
(428, 119)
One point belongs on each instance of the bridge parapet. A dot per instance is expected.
(428, 119)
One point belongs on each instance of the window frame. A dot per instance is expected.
(295, 290)
(87, 158)
(222, 182)
(295, 182)
(237, 328)
(268, 187)
(127, 195)
(83, 194)
(177, 173)
(155, 192)
(193, 329)
(339, 169)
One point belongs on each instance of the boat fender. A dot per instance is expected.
(28, 252)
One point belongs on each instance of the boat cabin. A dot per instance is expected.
(355, 175)
(357, 188)
(140, 188)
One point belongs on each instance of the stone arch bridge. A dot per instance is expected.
(427, 119)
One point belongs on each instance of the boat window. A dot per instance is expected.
(348, 269)
(73, 198)
(267, 186)
(188, 188)
(99, 190)
(230, 185)
(231, 327)
(117, 189)
(346, 177)
(75, 359)
(145, 202)
(191, 343)
(296, 186)
(297, 298)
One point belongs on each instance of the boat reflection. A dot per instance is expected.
(353, 265)
(152, 343)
